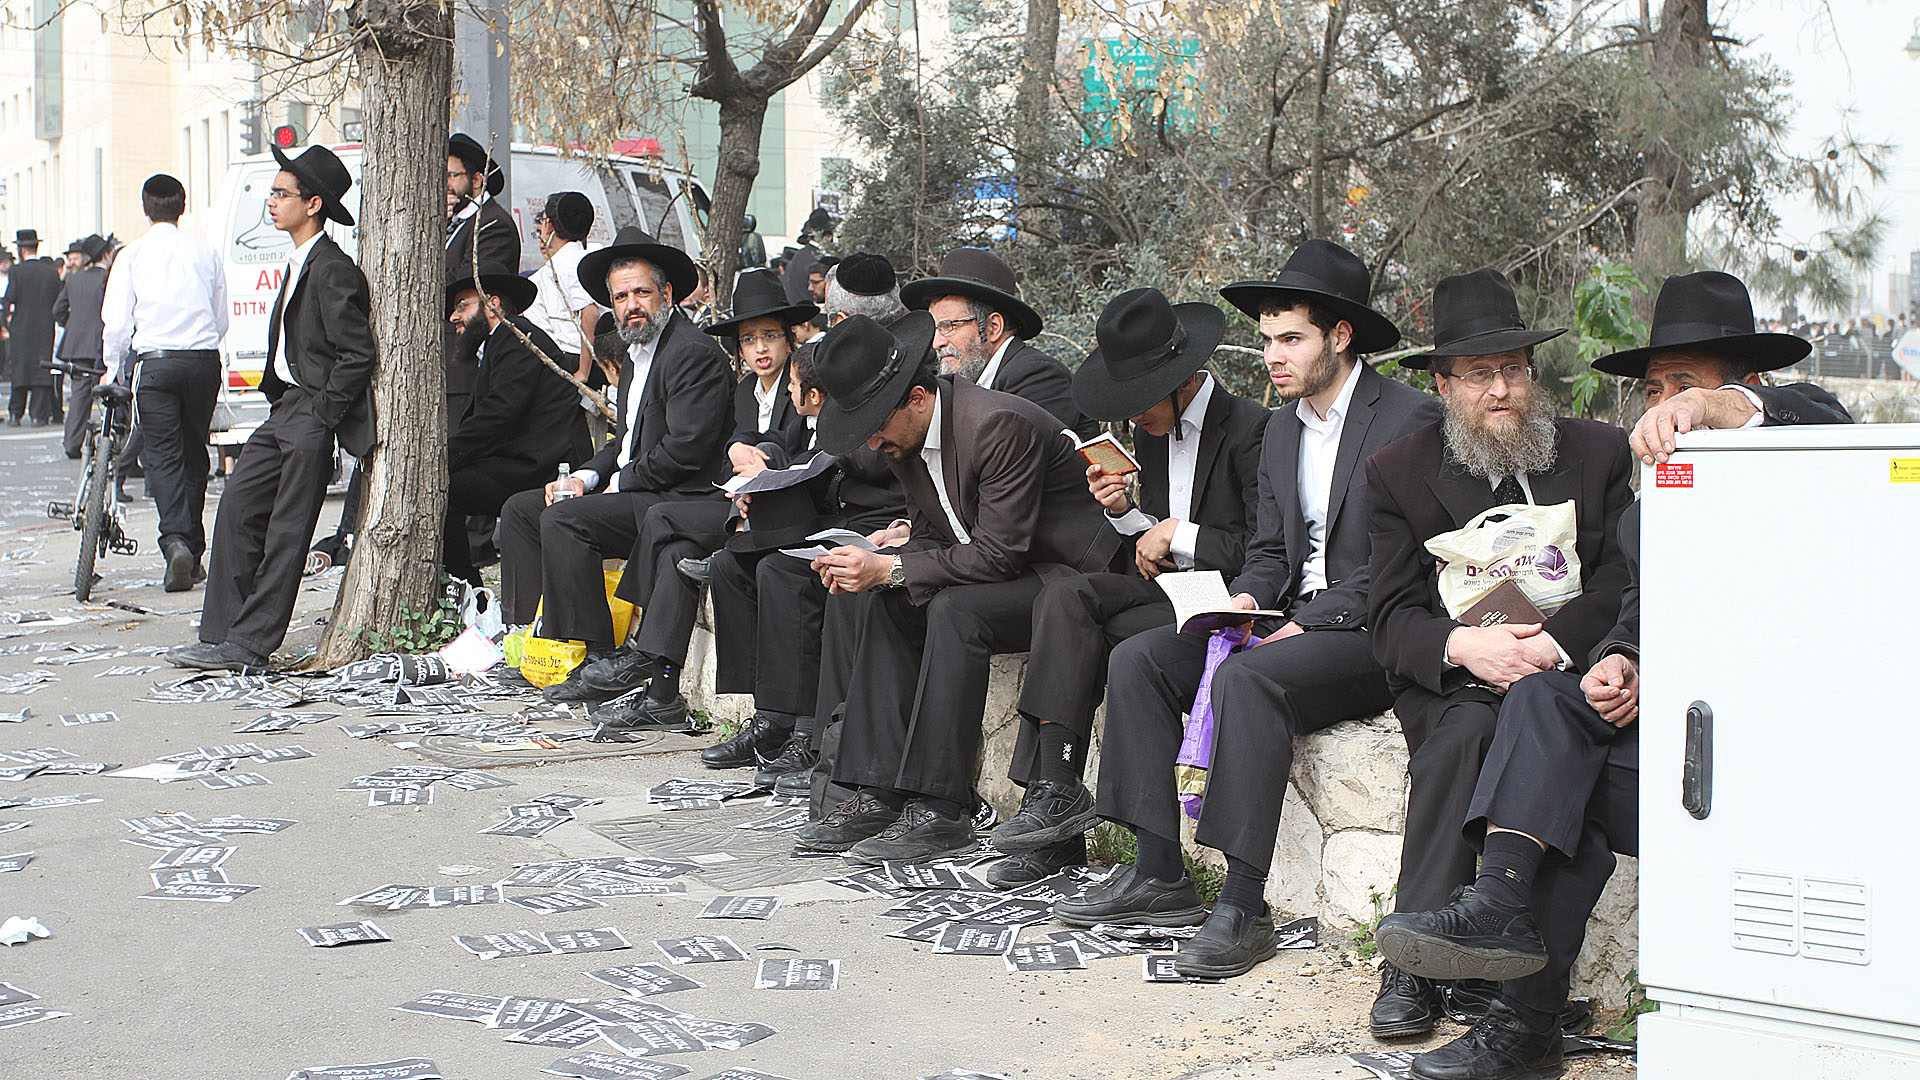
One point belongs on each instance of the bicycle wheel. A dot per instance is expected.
(93, 522)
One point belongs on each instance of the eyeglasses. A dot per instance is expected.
(1481, 378)
(281, 194)
(945, 327)
(764, 337)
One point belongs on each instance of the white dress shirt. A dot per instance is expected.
(631, 393)
(1313, 479)
(168, 290)
(295, 263)
(467, 211)
(559, 297)
(992, 370)
(930, 453)
(764, 397)
(1183, 459)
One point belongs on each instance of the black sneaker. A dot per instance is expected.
(620, 671)
(1052, 811)
(1229, 944)
(1500, 1047)
(1468, 1000)
(574, 687)
(698, 571)
(761, 737)
(637, 712)
(796, 758)
(1017, 871)
(845, 825)
(920, 834)
(1131, 898)
(1407, 1005)
(180, 567)
(202, 656)
(1471, 938)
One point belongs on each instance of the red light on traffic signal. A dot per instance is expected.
(285, 136)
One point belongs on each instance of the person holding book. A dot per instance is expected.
(1308, 558)
(1198, 492)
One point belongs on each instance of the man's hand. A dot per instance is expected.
(892, 535)
(1502, 655)
(1109, 491)
(1153, 550)
(747, 459)
(1652, 437)
(851, 570)
(574, 484)
(1612, 687)
(1291, 629)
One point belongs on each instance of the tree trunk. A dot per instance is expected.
(741, 118)
(405, 55)
(1678, 52)
(1317, 154)
(1040, 52)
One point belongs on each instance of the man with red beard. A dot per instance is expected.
(1499, 445)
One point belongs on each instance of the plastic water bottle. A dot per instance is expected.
(560, 488)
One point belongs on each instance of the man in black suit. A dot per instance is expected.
(1312, 669)
(981, 329)
(32, 288)
(1562, 774)
(475, 219)
(320, 360)
(1198, 448)
(999, 507)
(78, 309)
(669, 444)
(1499, 446)
(523, 418)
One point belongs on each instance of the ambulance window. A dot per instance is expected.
(658, 215)
(255, 241)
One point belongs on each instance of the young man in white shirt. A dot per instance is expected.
(561, 305)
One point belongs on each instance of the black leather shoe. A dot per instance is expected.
(1500, 1047)
(120, 491)
(795, 758)
(574, 687)
(797, 785)
(620, 671)
(1407, 1005)
(1471, 938)
(1468, 999)
(637, 712)
(1231, 942)
(845, 825)
(1050, 812)
(224, 657)
(1016, 871)
(921, 833)
(180, 567)
(760, 738)
(1131, 898)
(698, 571)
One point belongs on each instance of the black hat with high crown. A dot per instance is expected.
(1147, 348)
(475, 157)
(1710, 311)
(26, 236)
(865, 370)
(515, 292)
(95, 247)
(979, 275)
(1476, 315)
(321, 173)
(1335, 278)
(866, 274)
(632, 242)
(758, 294)
(785, 516)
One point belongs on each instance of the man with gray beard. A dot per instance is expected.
(1499, 445)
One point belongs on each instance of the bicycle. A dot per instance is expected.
(95, 512)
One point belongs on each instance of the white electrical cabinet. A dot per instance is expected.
(1780, 755)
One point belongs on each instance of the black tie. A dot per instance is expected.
(1508, 491)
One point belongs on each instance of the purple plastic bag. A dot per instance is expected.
(1196, 746)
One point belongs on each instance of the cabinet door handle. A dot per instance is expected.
(1696, 774)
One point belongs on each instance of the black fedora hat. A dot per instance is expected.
(633, 242)
(979, 275)
(95, 247)
(1147, 348)
(515, 292)
(758, 294)
(1476, 315)
(1333, 276)
(322, 173)
(26, 236)
(865, 369)
(1708, 310)
(794, 508)
(475, 157)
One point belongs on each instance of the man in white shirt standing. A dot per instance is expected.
(561, 305)
(166, 305)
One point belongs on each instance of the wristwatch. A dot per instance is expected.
(896, 574)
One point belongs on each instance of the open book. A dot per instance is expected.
(1201, 602)
(1105, 451)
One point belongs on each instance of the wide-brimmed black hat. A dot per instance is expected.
(785, 515)
(1476, 315)
(633, 242)
(26, 236)
(865, 369)
(865, 274)
(475, 157)
(1334, 277)
(1707, 310)
(95, 247)
(570, 213)
(323, 174)
(515, 292)
(75, 249)
(980, 275)
(1147, 348)
(758, 294)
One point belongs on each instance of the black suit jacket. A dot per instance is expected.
(1018, 487)
(1226, 479)
(865, 491)
(787, 427)
(1799, 403)
(500, 245)
(1029, 373)
(1379, 412)
(78, 309)
(32, 288)
(680, 442)
(523, 417)
(1418, 492)
(329, 344)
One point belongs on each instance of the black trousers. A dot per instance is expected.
(841, 625)
(266, 518)
(1262, 698)
(176, 397)
(669, 603)
(79, 408)
(554, 552)
(919, 685)
(1447, 739)
(768, 610)
(1569, 779)
(1076, 623)
(34, 401)
(479, 488)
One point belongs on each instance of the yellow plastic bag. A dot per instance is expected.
(545, 661)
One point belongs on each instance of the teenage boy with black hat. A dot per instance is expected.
(320, 360)
(999, 507)
(1199, 454)
(1308, 557)
(1562, 775)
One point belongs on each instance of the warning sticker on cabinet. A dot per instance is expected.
(1905, 470)
(1673, 474)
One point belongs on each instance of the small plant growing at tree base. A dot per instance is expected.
(420, 631)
